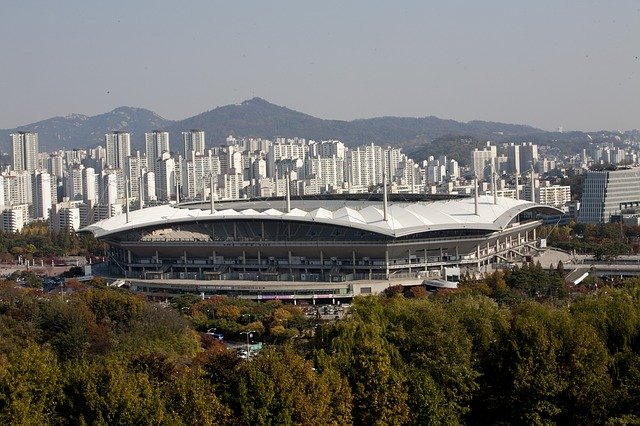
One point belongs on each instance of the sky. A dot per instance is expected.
(544, 63)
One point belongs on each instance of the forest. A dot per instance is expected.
(37, 241)
(605, 241)
(511, 347)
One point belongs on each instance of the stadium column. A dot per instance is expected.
(321, 265)
(534, 234)
(409, 263)
(353, 264)
(259, 261)
(244, 261)
(386, 262)
(129, 259)
(290, 269)
(185, 261)
(425, 259)
(488, 253)
(478, 254)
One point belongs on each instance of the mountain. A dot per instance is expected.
(81, 131)
(258, 118)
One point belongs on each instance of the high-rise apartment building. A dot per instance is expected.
(193, 141)
(528, 156)
(17, 188)
(55, 166)
(89, 186)
(24, 148)
(136, 166)
(74, 187)
(482, 161)
(364, 165)
(513, 158)
(118, 149)
(41, 195)
(156, 143)
(166, 178)
(13, 219)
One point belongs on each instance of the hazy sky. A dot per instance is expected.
(544, 63)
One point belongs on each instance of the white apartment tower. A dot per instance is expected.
(118, 149)
(13, 219)
(55, 166)
(17, 188)
(156, 143)
(24, 147)
(193, 141)
(136, 165)
(41, 195)
(165, 179)
(89, 184)
(364, 166)
(109, 189)
(481, 161)
(74, 186)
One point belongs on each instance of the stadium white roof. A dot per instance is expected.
(404, 218)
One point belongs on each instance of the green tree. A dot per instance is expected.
(30, 386)
(280, 387)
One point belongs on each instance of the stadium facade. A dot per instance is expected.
(313, 248)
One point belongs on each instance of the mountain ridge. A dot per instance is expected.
(257, 117)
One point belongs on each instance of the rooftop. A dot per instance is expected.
(403, 218)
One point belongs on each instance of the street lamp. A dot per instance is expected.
(249, 334)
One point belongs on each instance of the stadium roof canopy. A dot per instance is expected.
(403, 218)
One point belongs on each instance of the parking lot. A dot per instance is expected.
(327, 312)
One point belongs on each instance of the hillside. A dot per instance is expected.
(259, 118)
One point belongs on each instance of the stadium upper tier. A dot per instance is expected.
(403, 218)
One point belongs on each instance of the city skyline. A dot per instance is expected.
(546, 65)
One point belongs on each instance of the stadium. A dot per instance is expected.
(319, 248)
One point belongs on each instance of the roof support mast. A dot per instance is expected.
(177, 191)
(126, 199)
(475, 195)
(385, 201)
(288, 192)
(533, 186)
(140, 192)
(494, 182)
(212, 193)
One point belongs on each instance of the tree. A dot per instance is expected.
(363, 356)
(30, 386)
(104, 391)
(67, 327)
(280, 387)
(548, 368)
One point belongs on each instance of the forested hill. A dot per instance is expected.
(258, 118)
(513, 347)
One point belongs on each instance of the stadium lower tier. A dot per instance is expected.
(256, 251)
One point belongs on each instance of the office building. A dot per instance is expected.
(609, 192)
